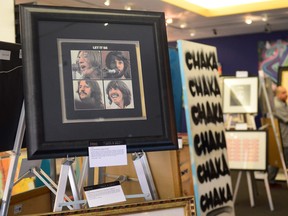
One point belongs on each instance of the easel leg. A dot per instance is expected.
(13, 163)
(74, 188)
(278, 142)
(251, 195)
(40, 171)
(237, 186)
(61, 188)
(268, 191)
(65, 172)
(144, 176)
(83, 174)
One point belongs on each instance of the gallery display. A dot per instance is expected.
(95, 81)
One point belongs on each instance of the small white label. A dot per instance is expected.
(104, 196)
(241, 126)
(5, 55)
(241, 73)
(180, 143)
(102, 156)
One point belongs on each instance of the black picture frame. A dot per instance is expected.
(55, 126)
(11, 94)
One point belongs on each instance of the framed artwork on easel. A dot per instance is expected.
(247, 150)
(240, 95)
(86, 85)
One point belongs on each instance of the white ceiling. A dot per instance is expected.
(203, 27)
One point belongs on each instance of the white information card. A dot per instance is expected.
(102, 156)
(104, 194)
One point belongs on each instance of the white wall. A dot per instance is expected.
(7, 21)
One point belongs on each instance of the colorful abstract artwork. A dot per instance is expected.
(271, 55)
(24, 185)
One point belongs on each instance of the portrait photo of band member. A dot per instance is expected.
(119, 94)
(87, 64)
(117, 65)
(88, 94)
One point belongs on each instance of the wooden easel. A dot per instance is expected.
(13, 163)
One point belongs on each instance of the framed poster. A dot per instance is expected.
(85, 84)
(240, 95)
(247, 150)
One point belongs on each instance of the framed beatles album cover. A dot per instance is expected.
(95, 77)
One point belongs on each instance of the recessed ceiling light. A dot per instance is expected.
(264, 18)
(107, 3)
(183, 25)
(169, 20)
(248, 20)
(127, 7)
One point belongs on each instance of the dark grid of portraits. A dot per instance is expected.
(100, 81)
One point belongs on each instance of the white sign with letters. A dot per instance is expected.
(102, 156)
(205, 127)
(104, 194)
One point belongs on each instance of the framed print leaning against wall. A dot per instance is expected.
(95, 77)
(240, 95)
